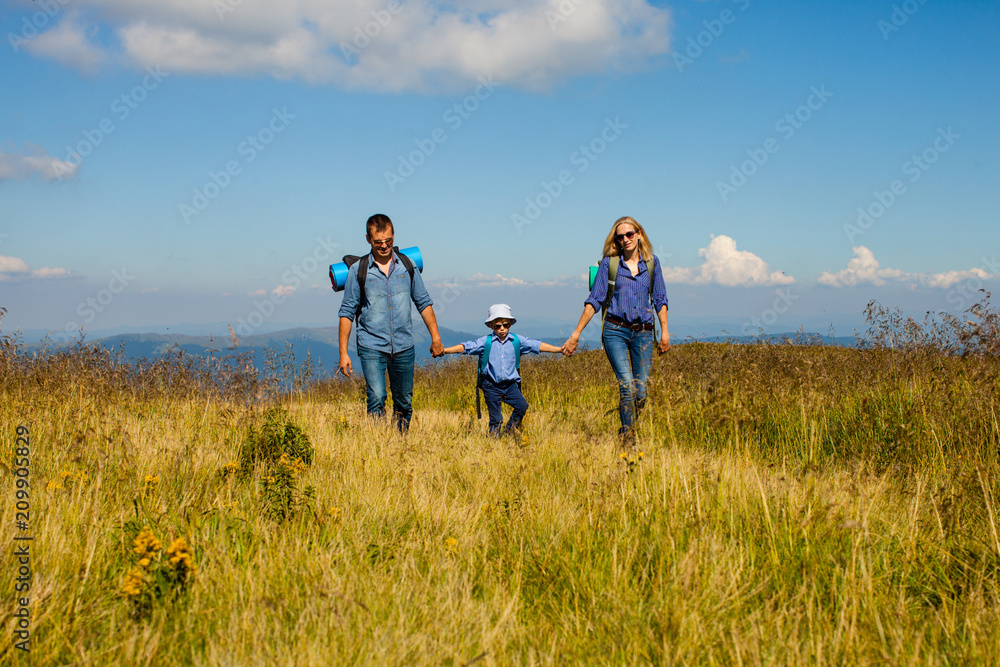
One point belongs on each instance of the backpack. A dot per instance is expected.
(363, 272)
(613, 262)
(484, 361)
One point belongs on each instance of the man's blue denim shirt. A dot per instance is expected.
(385, 323)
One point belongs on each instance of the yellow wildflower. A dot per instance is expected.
(133, 582)
(149, 485)
(180, 555)
(64, 474)
(53, 485)
(146, 543)
(144, 563)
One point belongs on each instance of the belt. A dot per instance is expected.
(637, 326)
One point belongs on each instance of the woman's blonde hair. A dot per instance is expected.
(645, 245)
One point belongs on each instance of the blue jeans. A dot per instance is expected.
(631, 356)
(399, 366)
(506, 392)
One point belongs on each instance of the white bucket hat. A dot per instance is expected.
(500, 311)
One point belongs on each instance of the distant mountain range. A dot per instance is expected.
(321, 344)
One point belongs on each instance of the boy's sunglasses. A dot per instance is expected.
(626, 235)
(501, 325)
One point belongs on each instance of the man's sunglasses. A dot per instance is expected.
(626, 235)
(387, 242)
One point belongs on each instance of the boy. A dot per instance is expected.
(500, 376)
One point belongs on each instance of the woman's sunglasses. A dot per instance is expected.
(626, 235)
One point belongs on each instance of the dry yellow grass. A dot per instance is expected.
(792, 505)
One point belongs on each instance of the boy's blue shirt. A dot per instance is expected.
(501, 367)
(385, 323)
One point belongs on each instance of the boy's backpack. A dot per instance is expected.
(612, 275)
(484, 361)
(363, 272)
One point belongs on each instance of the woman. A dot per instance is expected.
(639, 292)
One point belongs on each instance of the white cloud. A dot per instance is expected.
(949, 278)
(15, 268)
(864, 269)
(478, 280)
(421, 45)
(727, 266)
(68, 43)
(495, 280)
(19, 166)
(283, 290)
(48, 272)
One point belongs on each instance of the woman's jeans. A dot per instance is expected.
(399, 366)
(631, 356)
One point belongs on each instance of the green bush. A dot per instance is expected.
(277, 436)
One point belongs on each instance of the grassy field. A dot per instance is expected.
(786, 504)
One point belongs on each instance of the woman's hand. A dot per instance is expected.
(664, 344)
(569, 347)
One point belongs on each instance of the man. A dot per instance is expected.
(385, 328)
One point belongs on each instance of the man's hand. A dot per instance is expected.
(663, 345)
(437, 348)
(345, 365)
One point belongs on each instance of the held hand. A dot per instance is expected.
(437, 349)
(345, 365)
(569, 347)
(663, 345)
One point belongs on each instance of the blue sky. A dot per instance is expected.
(196, 163)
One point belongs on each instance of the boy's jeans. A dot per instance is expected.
(507, 392)
(375, 365)
(631, 356)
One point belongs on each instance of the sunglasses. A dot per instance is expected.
(626, 235)
(501, 325)
(387, 242)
